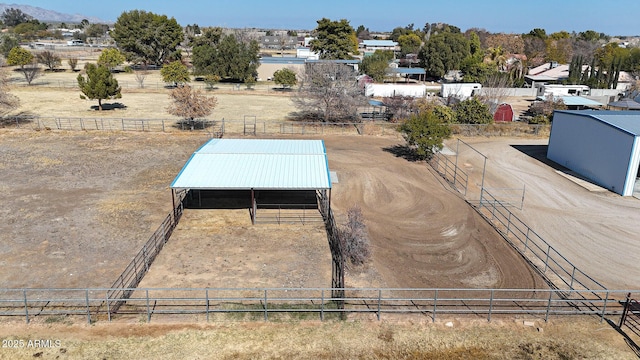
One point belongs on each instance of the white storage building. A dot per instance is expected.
(603, 146)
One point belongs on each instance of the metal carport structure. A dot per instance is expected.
(257, 164)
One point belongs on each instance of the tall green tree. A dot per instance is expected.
(409, 43)
(472, 111)
(334, 39)
(443, 52)
(175, 72)
(111, 58)
(20, 57)
(8, 42)
(145, 37)
(228, 58)
(99, 84)
(12, 17)
(377, 64)
(285, 77)
(424, 133)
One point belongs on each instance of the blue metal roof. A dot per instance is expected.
(409, 71)
(628, 121)
(573, 100)
(373, 102)
(236, 164)
(379, 43)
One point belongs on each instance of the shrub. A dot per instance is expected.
(354, 238)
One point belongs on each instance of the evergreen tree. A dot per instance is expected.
(147, 38)
(99, 84)
(334, 39)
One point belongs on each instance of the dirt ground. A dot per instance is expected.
(77, 206)
(595, 229)
(91, 199)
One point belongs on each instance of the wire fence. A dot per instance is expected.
(250, 125)
(223, 304)
(269, 87)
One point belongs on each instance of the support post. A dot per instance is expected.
(253, 207)
(173, 201)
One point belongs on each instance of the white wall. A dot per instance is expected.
(591, 148)
(389, 90)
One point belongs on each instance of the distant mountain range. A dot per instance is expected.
(50, 15)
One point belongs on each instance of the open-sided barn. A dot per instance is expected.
(253, 172)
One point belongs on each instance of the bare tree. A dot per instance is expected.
(354, 238)
(495, 91)
(31, 72)
(245, 36)
(328, 92)
(8, 101)
(73, 63)
(49, 59)
(190, 104)
(141, 75)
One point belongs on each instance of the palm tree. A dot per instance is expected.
(516, 68)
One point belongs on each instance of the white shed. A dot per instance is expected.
(603, 146)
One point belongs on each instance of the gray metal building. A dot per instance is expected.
(603, 146)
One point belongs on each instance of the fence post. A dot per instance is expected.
(106, 298)
(379, 300)
(490, 305)
(624, 311)
(206, 295)
(26, 306)
(86, 296)
(526, 241)
(573, 275)
(546, 317)
(435, 300)
(546, 261)
(604, 307)
(322, 305)
(148, 308)
(266, 316)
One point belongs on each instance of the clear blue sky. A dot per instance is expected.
(510, 16)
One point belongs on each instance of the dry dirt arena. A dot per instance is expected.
(595, 229)
(79, 205)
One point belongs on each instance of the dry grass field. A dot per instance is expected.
(78, 204)
(571, 338)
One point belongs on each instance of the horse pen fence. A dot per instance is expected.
(139, 266)
(223, 304)
(556, 269)
(575, 293)
(249, 125)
